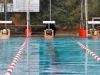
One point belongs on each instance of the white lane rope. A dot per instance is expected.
(87, 50)
(11, 67)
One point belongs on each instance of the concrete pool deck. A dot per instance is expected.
(41, 35)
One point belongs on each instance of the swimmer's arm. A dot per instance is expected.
(44, 32)
(98, 32)
(8, 32)
(91, 32)
(1, 32)
(52, 33)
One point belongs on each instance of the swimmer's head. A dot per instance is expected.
(49, 31)
(95, 33)
(4, 31)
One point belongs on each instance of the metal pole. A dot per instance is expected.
(5, 14)
(28, 17)
(50, 10)
(50, 15)
(86, 16)
(81, 14)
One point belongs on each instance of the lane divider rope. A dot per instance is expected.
(88, 50)
(11, 67)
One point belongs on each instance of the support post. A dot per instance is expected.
(5, 14)
(86, 16)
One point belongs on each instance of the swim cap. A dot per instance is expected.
(4, 31)
(95, 33)
(48, 31)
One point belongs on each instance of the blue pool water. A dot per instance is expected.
(60, 56)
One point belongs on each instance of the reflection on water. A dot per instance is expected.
(4, 49)
(4, 43)
(4, 55)
(51, 58)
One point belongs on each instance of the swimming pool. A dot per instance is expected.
(60, 56)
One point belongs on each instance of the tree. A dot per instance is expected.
(73, 7)
(93, 8)
(64, 12)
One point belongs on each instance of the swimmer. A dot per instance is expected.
(48, 34)
(5, 34)
(95, 34)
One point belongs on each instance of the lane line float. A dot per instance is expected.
(87, 50)
(11, 67)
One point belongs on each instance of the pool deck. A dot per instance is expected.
(57, 35)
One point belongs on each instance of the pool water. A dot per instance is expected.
(60, 56)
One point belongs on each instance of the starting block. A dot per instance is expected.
(48, 22)
(93, 22)
(2, 22)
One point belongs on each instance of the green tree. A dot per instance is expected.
(93, 8)
(73, 7)
(64, 12)
(59, 12)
